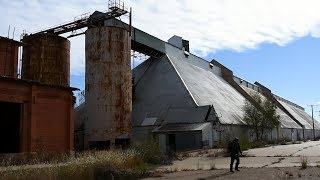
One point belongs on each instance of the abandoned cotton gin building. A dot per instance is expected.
(37, 109)
(191, 103)
(187, 102)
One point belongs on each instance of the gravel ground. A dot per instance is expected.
(245, 174)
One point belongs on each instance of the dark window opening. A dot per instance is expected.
(99, 145)
(122, 143)
(10, 127)
(171, 142)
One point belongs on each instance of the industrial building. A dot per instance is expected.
(182, 100)
(179, 98)
(37, 109)
(190, 103)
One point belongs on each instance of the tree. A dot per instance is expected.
(263, 119)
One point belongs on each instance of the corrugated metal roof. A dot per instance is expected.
(181, 127)
(285, 120)
(208, 88)
(301, 116)
(187, 115)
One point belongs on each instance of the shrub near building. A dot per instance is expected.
(260, 121)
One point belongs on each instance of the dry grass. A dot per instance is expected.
(304, 162)
(212, 165)
(89, 165)
(33, 158)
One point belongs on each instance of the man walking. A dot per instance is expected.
(234, 154)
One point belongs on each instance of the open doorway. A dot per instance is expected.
(10, 127)
(171, 142)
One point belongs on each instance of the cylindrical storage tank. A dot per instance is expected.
(108, 88)
(46, 59)
(9, 57)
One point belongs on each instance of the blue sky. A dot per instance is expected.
(290, 71)
(274, 42)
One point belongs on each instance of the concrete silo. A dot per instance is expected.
(108, 86)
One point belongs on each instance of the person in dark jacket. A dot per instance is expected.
(235, 151)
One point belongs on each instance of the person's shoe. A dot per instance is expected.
(231, 171)
(237, 170)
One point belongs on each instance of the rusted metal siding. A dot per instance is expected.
(46, 58)
(108, 83)
(8, 57)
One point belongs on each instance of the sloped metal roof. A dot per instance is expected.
(187, 115)
(301, 116)
(181, 127)
(208, 88)
(285, 120)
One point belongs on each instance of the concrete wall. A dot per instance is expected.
(184, 140)
(188, 140)
(291, 134)
(227, 132)
(207, 136)
(47, 118)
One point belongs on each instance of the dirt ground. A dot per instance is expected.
(244, 174)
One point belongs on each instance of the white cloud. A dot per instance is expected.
(210, 25)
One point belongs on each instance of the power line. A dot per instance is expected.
(314, 135)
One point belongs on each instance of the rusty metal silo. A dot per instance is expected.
(9, 57)
(46, 58)
(108, 86)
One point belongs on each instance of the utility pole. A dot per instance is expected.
(314, 135)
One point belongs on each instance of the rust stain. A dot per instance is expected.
(112, 82)
(8, 57)
(46, 59)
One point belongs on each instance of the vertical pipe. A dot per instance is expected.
(314, 135)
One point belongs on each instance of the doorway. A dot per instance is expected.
(171, 142)
(10, 117)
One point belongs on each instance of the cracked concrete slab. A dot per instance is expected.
(274, 156)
